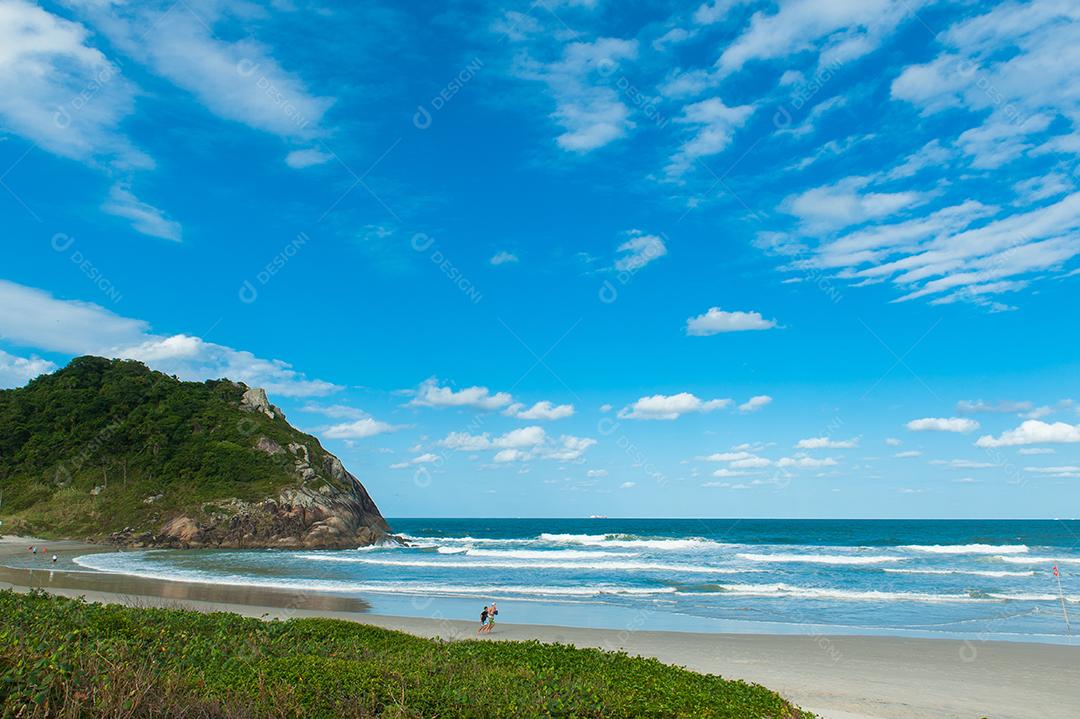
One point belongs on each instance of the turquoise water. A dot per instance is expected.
(963, 579)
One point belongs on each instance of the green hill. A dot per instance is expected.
(111, 450)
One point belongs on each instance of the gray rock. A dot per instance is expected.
(269, 446)
(299, 449)
(254, 400)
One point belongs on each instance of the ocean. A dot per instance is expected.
(938, 578)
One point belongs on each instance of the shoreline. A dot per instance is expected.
(834, 676)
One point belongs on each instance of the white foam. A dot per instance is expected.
(94, 561)
(465, 540)
(569, 565)
(838, 559)
(1034, 597)
(787, 590)
(547, 554)
(969, 572)
(1039, 560)
(966, 548)
(630, 541)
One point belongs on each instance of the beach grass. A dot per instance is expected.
(66, 657)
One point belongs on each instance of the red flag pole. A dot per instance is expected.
(1061, 594)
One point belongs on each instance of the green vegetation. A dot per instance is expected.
(62, 657)
(87, 450)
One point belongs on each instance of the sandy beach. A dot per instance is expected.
(837, 677)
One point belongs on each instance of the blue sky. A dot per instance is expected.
(571, 258)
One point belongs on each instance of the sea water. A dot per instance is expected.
(962, 579)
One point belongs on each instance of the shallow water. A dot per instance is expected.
(965, 579)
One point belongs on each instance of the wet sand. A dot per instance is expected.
(837, 677)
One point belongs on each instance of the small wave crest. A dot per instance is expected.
(565, 565)
(525, 591)
(628, 540)
(966, 572)
(837, 559)
(1038, 560)
(966, 548)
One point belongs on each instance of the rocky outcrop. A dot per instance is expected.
(255, 400)
(304, 517)
(325, 508)
(269, 446)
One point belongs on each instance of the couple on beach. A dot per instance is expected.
(487, 619)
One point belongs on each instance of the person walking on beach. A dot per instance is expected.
(483, 620)
(54, 559)
(491, 618)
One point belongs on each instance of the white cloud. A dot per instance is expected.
(17, 371)
(691, 83)
(1043, 187)
(846, 29)
(503, 258)
(846, 202)
(943, 256)
(755, 403)
(627, 485)
(1067, 471)
(523, 437)
(307, 157)
(712, 125)
(714, 11)
(964, 463)
(716, 321)
(977, 406)
(568, 448)
(638, 251)
(33, 318)
(359, 429)
(144, 218)
(430, 394)
(588, 108)
(522, 445)
(59, 91)
(542, 410)
(727, 456)
(1004, 66)
(514, 439)
(1036, 450)
(893, 441)
(907, 454)
(1010, 65)
(727, 473)
(803, 461)
(827, 443)
(674, 36)
(511, 455)
(236, 79)
(1033, 431)
(465, 442)
(752, 462)
(943, 424)
(426, 458)
(337, 411)
(596, 473)
(670, 407)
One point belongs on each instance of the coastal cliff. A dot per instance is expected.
(111, 451)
